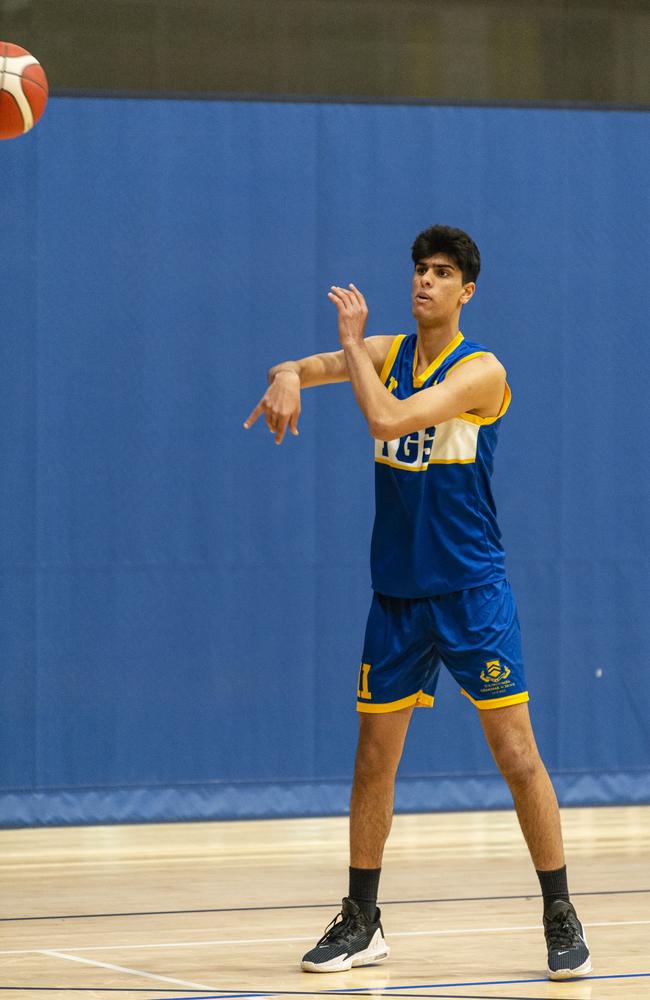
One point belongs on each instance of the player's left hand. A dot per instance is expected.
(353, 313)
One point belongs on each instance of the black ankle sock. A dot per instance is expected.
(364, 887)
(554, 886)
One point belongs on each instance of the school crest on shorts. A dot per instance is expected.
(495, 673)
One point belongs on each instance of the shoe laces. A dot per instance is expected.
(342, 928)
(562, 931)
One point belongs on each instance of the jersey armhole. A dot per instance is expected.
(473, 418)
(390, 357)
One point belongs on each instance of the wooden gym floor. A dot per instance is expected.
(227, 909)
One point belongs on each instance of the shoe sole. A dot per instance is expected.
(377, 951)
(582, 970)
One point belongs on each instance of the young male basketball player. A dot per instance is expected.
(433, 402)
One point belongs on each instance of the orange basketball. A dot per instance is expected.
(23, 90)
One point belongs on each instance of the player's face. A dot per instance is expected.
(438, 290)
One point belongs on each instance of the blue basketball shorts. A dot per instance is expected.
(474, 633)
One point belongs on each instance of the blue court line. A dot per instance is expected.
(355, 991)
(482, 982)
(358, 991)
(379, 990)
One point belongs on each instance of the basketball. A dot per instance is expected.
(23, 90)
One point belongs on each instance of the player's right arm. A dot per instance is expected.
(280, 404)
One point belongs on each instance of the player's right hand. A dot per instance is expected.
(280, 405)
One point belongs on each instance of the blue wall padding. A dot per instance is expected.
(183, 603)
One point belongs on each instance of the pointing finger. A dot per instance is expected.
(254, 415)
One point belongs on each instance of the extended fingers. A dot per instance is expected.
(342, 293)
(359, 296)
(347, 297)
(279, 414)
(338, 297)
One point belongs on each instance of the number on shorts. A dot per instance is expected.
(364, 690)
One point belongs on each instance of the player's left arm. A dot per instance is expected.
(475, 386)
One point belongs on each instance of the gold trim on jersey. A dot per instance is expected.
(419, 380)
(510, 699)
(468, 357)
(390, 357)
(473, 418)
(423, 468)
(418, 700)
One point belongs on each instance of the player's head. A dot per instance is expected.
(455, 243)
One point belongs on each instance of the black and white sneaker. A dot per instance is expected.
(568, 954)
(351, 939)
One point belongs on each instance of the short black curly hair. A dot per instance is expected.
(460, 247)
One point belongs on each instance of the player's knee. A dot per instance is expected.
(518, 764)
(375, 761)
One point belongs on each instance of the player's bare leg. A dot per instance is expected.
(510, 737)
(511, 740)
(356, 936)
(381, 741)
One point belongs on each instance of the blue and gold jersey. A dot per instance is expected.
(435, 526)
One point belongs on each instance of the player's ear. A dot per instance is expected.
(467, 292)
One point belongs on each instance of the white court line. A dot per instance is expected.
(292, 940)
(130, 972)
